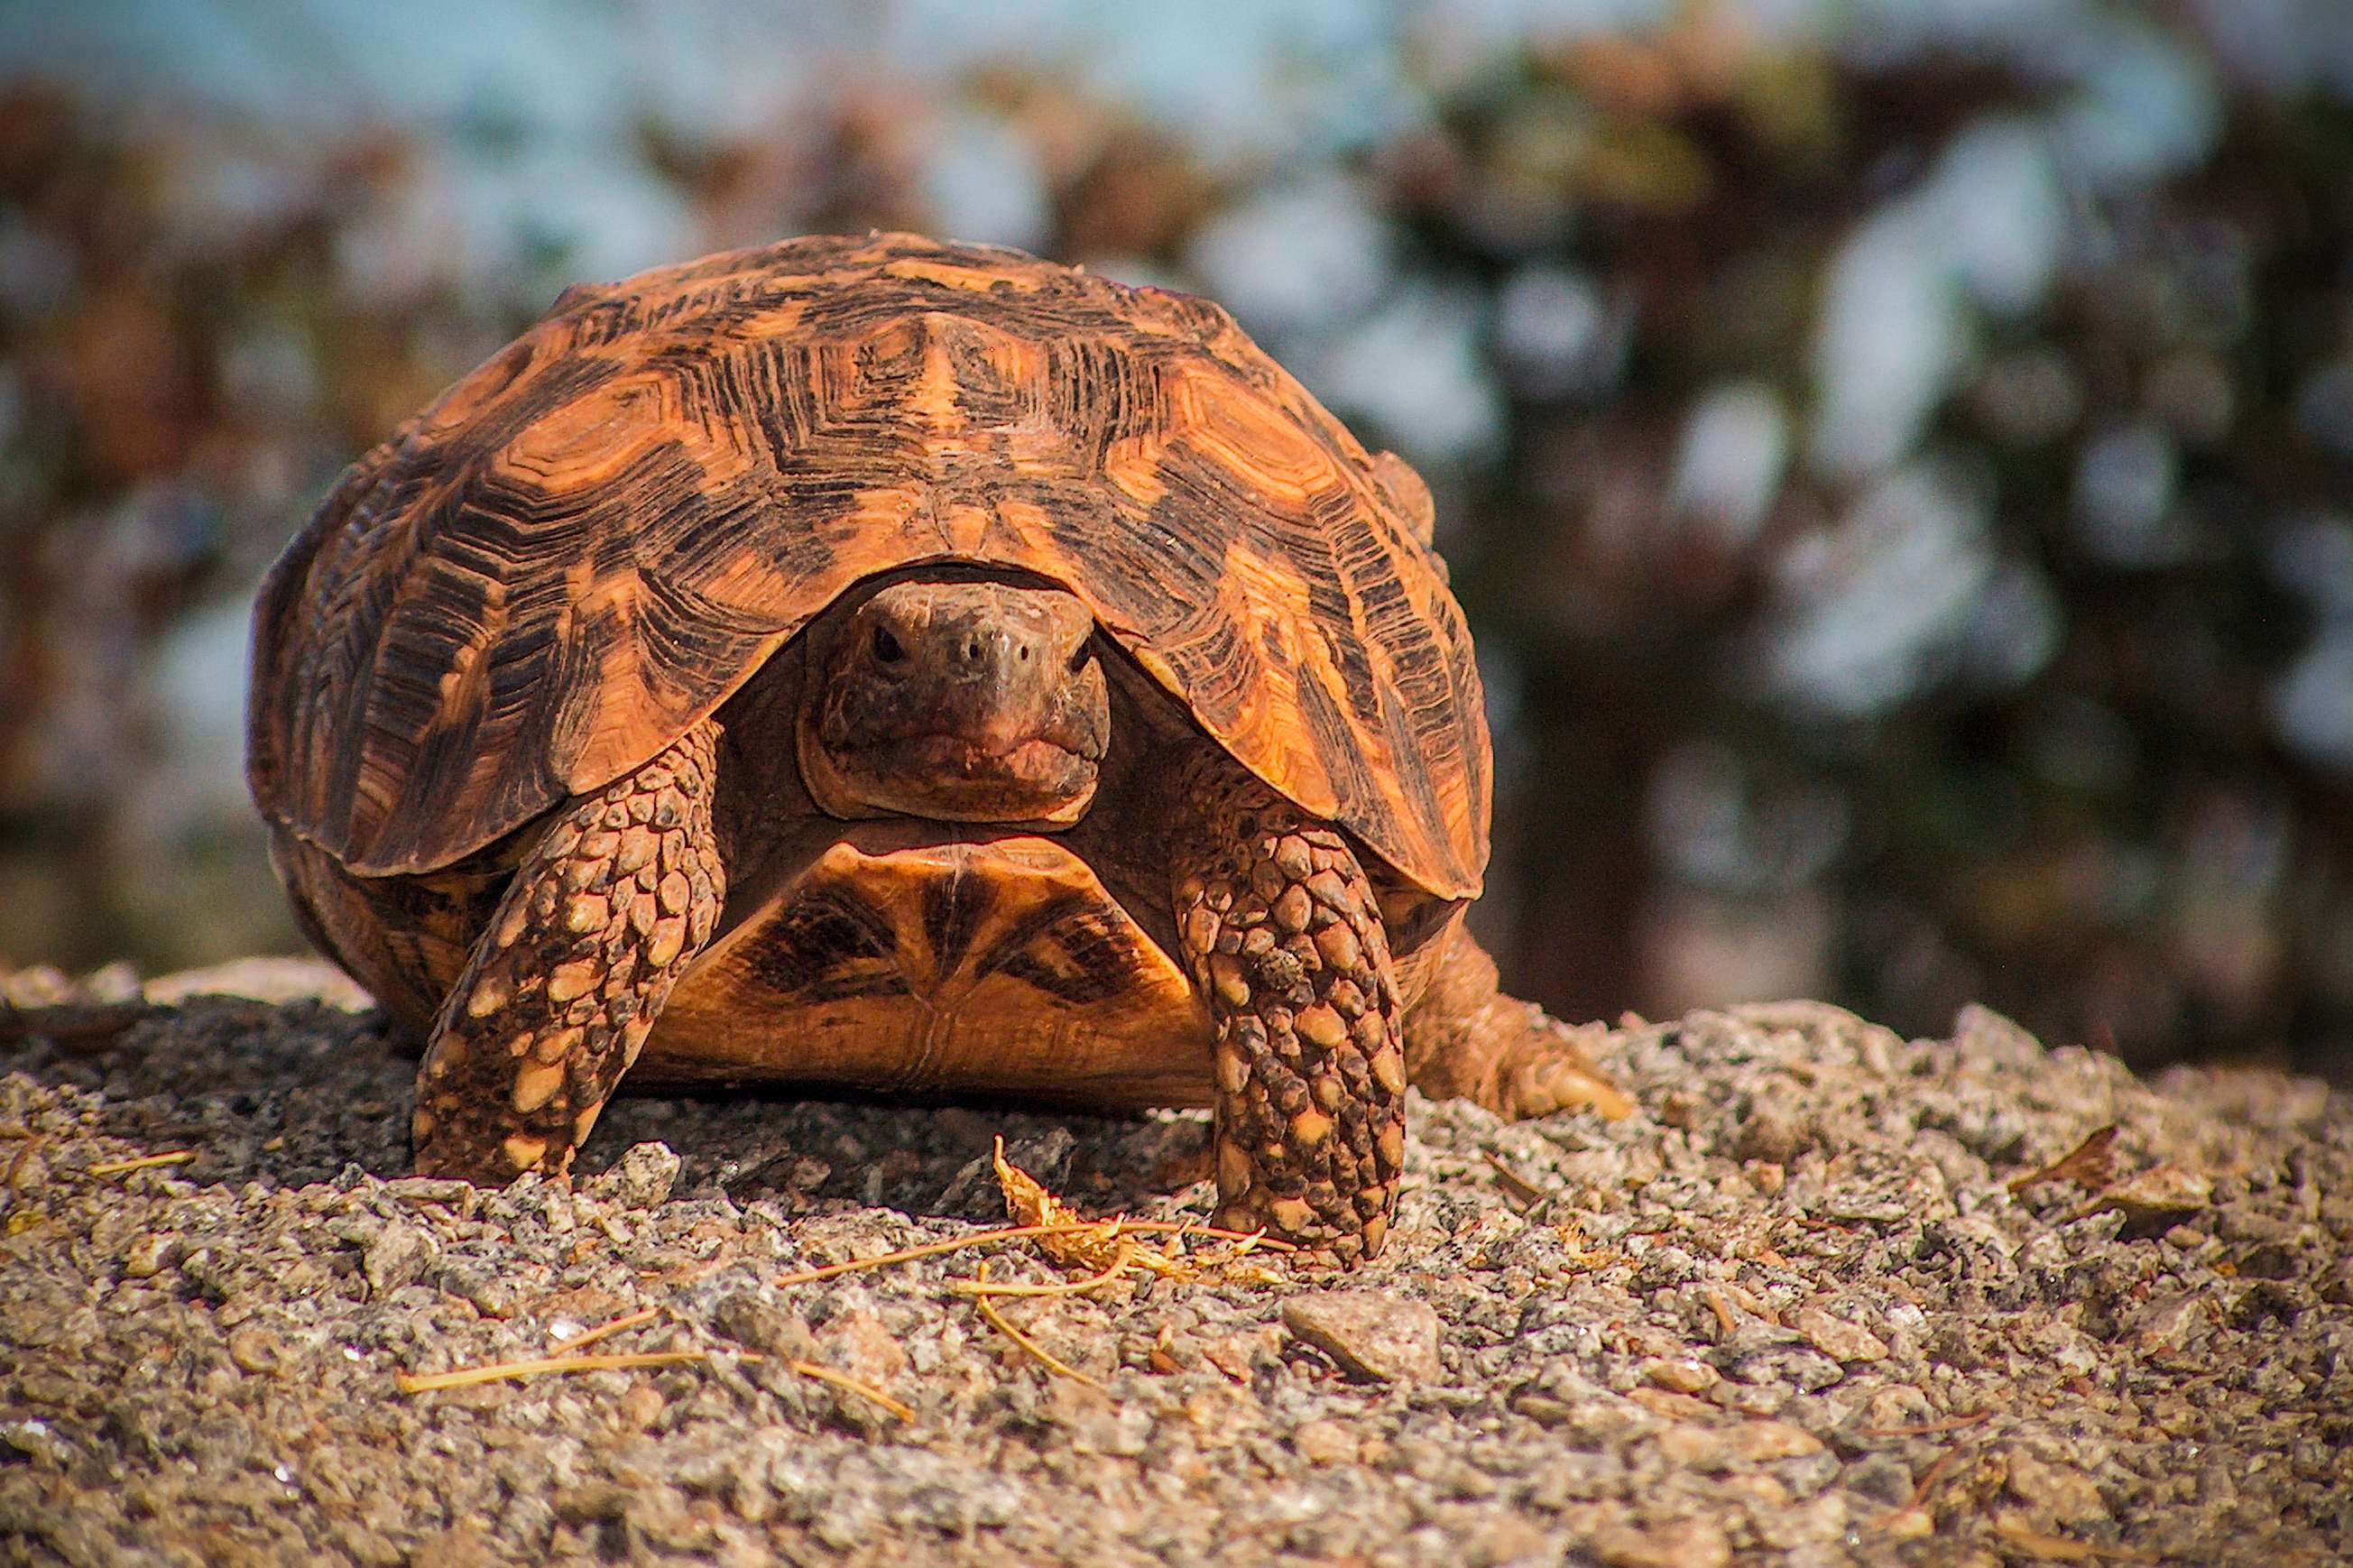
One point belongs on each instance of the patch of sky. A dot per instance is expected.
(2127, 479)
(2313, 559)
(1708, 820)
(1865, 608)
(2312, 703)
(1243, 81)
(1728, 466)
(1295, 257)
(982, 182)
(1984, 228)
(1461, 45)
(1415, 369)
(2285, 45)
(2144, 108)
(1557, 333)
(1890, 339)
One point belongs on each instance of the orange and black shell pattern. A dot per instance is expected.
(585, 545)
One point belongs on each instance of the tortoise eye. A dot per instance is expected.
(886, 647)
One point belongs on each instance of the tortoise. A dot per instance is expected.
(907, 666)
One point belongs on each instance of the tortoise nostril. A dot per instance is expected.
(886, 647)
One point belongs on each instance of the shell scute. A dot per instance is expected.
(592, 540)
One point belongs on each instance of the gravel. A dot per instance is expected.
(1808, 1306)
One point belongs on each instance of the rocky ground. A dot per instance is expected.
(1822, 1301)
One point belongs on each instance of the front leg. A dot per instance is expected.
(611, 907)
(1284, 938)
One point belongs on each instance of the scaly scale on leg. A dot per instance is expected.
(602, 918)
(1282, 935)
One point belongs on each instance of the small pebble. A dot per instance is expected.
(1372, 1335)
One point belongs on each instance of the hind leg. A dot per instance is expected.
(405, 939)
(607, 911)
(1466, 1039)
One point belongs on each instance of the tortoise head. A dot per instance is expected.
(956, 696)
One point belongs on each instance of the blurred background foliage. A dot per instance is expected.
(1895, 453)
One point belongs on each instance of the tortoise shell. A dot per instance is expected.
(588, 544)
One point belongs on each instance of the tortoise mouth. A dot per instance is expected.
(959, 779)
(945, 755)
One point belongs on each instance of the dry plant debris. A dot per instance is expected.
(501, 1372)
(980, 1293)
(1108, 1246)
(2152, 1195)
(2090, 1165)
(142, 1163)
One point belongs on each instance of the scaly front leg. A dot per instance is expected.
(1284, 938)
(605, 913)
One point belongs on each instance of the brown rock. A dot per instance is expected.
(1372, 1335)
(1325, 1443)
(1684, 1543)
(2055, 1493)
(861, 1345)
(1681, 1375)
(1838, 1339)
